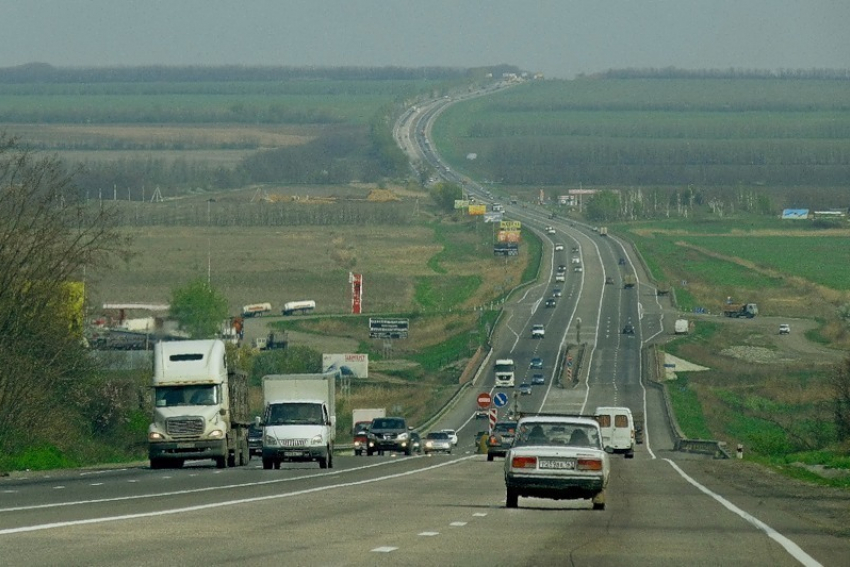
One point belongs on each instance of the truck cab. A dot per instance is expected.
(200, 406)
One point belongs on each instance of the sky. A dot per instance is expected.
(560, 38)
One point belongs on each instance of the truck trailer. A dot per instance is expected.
(736, 310)
(299, 419)
(200, 406)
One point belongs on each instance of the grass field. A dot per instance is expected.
(651, 132)
(790, 269)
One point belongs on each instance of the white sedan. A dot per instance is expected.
(559, 247)
(452, 435)
(557, 457)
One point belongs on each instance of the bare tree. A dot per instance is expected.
(48, 237)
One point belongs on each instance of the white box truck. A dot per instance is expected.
(681, 327)
(200, 406)
(299, 419)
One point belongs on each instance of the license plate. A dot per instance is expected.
(185, 445)
(293, 453)
(562, 465)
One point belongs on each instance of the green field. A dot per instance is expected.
(645, 132)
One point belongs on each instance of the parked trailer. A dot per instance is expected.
(293, 307)
(256, 309)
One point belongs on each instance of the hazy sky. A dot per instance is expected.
(558, 37)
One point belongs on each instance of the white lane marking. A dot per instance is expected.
(458, 524)
(58, 487)
(179, 492)
(479, 515)
(96, 484)
(226, 503)
(792, 548)
(385, 549)
(132, 480)
(429, 534)
(10, 492)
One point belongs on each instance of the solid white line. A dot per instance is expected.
(214, 505)
(792, 548)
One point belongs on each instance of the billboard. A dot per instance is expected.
(507, 236)
(348, 365)
(461, 203)
(510, 225)
(795, 214)
(477, 209)
(386, 328)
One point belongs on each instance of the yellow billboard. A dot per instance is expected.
(477, 209)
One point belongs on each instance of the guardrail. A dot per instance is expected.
(655, 371)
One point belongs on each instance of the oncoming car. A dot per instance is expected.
(437, 442)
(500, 439)
(559, 458)
(559, 247)
(525, 389)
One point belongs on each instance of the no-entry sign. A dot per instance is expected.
(484, 400)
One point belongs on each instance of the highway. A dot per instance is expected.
(663, 507)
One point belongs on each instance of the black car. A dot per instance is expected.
(501, 439)
(550, 302)
(255, 440)
(556, 292)
(390, 434)
(629, 329)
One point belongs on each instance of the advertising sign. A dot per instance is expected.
(507, 236)
(477, 210)
(348, 365)
(510, 225)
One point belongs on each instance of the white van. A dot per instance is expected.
(618, 429)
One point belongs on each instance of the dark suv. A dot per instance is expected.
(390, 434)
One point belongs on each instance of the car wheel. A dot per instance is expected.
(323, 463)
(630, 454)
(358, 453)
(599, 501)
(330, 458)
(489, 457)
(267, 464)
(511, 499)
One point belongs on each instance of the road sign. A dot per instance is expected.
(484, 400)
(500, 399)
(384, 328)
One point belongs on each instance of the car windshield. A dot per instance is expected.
(438, 435)
(295, 413)
(558, 434)
(388, 423)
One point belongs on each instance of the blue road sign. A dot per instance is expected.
(500, 399)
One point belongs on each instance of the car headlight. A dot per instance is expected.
(216, 434)
(402, 436)
(155, 436)
(269, 441)
(317, 440)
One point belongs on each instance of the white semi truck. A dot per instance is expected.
(200, 406)
(299, 419)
